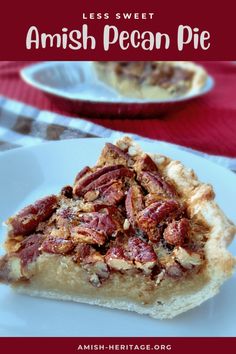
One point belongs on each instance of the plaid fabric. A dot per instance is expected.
(23, 125)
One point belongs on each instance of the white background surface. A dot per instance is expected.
(27, 174)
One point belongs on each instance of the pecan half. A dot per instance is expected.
(152, 198)
(67, 192)
(112, 193)
(27, 220)
(154, 183)
(116, 259)
(10, 269)
(176, 232)
(82, 173)
(118, 173)
(66, 216)
(30, 249)
(101, 221)
(142, 255)
(151, 219)
(57, 245)
(113, 155)
(90, 196)
(81, 234)
(145, 163)
(133, 203)
(187, 258)
(83, 181)
(140, 251)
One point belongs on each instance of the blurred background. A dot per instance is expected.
(31, 114)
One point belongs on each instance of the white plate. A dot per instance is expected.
(76, 87)
(30, 173)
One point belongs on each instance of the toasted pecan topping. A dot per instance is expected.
(85, 171)
(4, 269)
(166, 76)
(82, 234)
(30, 249)
(112, 155)
(136, 253)
(161, 74)
(174, 270)
(101, 177)
(90, 196)
(26, 221)
(100, 221)
(140, 251)
(112, 193)
(134, 203)
(121, 215)
(187, 258)
(152, 218)
(145, 163)
(117, 259)
(176, 232)
(83, 179)
(154, 183)
(57, 245)
(67, 191)
(151, 198)
(129, 69)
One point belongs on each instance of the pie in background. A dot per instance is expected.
(152, 79)
(136, 232)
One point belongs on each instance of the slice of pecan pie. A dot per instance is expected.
(152, 79)
(135, 232)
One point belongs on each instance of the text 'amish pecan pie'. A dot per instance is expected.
(135, 232)
(152, 79)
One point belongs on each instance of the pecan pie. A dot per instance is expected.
(152, 79)
(136, 232)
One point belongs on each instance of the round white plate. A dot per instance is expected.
(75, 87)
(30, 173)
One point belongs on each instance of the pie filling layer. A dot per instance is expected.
(122, 225)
